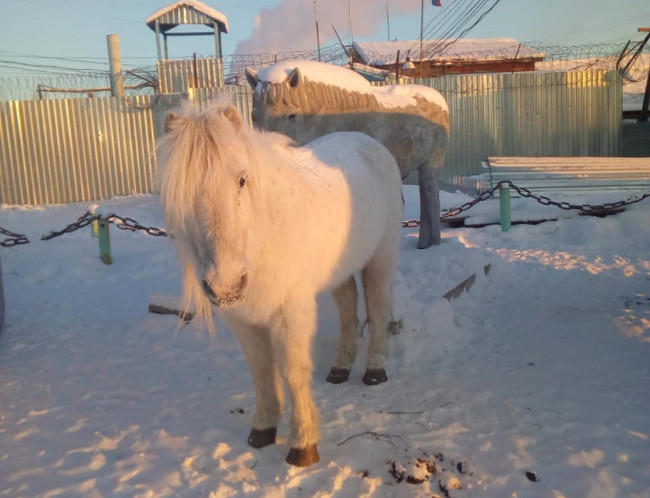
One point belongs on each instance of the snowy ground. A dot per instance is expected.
(533, 384)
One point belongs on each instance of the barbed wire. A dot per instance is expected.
(144, 80)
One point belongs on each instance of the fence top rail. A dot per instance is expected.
(549, 164)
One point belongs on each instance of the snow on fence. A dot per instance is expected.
(75, 150)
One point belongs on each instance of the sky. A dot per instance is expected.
(44, 35)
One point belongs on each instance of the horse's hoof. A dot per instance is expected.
(375, 376)
(303, 457)
(338, 375)
(259, 438)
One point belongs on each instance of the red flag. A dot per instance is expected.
(436, 3)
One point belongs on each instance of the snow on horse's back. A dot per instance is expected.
(262, 227)
(308, 99)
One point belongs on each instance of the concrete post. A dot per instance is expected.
(115, 64)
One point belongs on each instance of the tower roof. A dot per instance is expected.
(187, 12)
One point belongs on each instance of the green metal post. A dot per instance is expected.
(504, 207)
(104, 242)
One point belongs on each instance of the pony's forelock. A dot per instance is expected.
(190, 159)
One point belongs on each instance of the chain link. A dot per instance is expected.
(84, 220)
(132, 225)
(14, 239)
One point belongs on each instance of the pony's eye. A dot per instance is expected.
(242, 181)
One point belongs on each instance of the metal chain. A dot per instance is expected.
(121, 223)
(83, 221)
(450, 213)
(132, 225)
(14, 238)
(585, 208)
(542, 199)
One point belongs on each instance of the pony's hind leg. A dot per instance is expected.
(256, 344)
(377, 278)
(346, 297)
(291, 336)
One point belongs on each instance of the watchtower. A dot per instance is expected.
(177, 76)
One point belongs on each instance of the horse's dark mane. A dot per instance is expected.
(312, 97)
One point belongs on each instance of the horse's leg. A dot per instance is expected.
(256, 344)
(377, 278)
(346, 298)
(430, 225)
(291, 336)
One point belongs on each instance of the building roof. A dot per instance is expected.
(469, 49)
(187, 12)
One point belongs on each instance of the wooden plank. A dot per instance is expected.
(465, 285)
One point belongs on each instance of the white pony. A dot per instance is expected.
(262, 227)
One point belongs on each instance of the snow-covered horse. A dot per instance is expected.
(263, 226)
(308, 99)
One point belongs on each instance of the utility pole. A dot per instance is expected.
(317, 35)
(646, 95)
(421, 33)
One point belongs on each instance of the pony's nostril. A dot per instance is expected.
(207, 289)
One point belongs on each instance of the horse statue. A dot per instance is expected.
(308, 99)
(262, 226)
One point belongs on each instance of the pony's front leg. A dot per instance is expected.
(291, 335)
(256, 344)
(430, 225)
(346, 297)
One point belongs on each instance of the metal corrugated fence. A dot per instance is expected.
(72, 150)
(177, 76)
(530, 114)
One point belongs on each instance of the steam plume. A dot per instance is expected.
(290, 26)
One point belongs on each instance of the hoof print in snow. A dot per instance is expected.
(413, 471)
(532, 476)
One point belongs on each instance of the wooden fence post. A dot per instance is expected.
(104, 241)
(504, 207)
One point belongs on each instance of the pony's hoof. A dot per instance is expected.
(259, 438)
(303, 457)
(375, 376)
(338, 375)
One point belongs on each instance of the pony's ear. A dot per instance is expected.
(294, 78)
(170, 119)
(232, 114)
(251, 77)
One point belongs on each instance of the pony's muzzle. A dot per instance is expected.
(225, 297)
